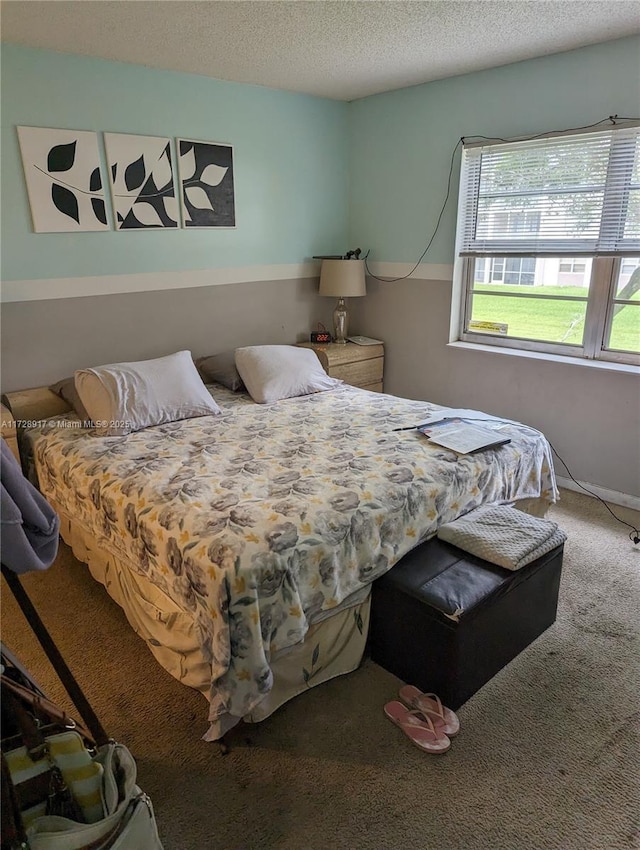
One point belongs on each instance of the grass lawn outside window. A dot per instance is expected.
(536, 315)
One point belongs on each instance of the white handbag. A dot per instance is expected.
(128, 825)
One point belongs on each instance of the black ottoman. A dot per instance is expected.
(499, 613)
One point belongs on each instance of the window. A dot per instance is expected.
(573, 266)
(549, 244)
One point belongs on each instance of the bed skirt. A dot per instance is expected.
(332, 647)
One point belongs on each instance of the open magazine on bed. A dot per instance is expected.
(461, 437)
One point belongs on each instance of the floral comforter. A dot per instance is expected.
(261, 519)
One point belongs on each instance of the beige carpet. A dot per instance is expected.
(547, 758)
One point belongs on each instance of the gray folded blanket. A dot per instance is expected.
(502, 535)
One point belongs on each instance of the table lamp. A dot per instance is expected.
(342, 279)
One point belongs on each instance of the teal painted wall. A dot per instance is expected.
(401, 142)
(290, 164)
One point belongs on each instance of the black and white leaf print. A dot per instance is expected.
(99, 209)
(63, 174)
(95, 181)
(65, 201)
(135, 174)
(141, 174)
(61, 157)
(206, 174)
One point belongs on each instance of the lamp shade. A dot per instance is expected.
(342, 278)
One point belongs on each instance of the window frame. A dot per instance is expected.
(606, 266)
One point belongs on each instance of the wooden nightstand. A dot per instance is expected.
(358, 365)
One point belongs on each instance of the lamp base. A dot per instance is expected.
(340, 322)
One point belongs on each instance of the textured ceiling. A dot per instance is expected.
(342, 49)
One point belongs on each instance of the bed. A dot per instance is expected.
(242, 546)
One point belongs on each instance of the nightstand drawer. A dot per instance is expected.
(358, 365)
(359, 373)
(334, 354)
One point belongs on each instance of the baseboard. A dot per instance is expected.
(612, 496)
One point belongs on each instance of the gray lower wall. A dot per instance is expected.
(590, 415)
(43, 341)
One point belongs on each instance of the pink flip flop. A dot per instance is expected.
(431, 706)
(418, 728)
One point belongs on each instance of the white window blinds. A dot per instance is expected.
(570, 194)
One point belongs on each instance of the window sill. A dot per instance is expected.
(607, 365)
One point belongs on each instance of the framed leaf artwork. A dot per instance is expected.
(64, 184)
(141, 175)
(206, 184)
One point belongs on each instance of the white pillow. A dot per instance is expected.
(272, 372)
(125, 397)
